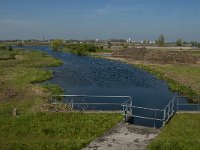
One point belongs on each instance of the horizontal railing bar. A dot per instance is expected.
(97, 104)
(90, 103)
(147, 118)
(124, 103)
(146, 108)
(91, 96)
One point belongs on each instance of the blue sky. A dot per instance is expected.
(105, 19)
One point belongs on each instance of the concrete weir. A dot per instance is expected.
(124, 136)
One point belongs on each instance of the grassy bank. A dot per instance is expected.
(32, 128)
(182, 133)
(180, 69)
(180, 78)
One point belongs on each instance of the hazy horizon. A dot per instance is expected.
(105, 19)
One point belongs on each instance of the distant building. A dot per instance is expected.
(152, 42)
(129, 40)
(97, 40)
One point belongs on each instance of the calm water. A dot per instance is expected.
(95, 76)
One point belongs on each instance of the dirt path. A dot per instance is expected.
(124, 136)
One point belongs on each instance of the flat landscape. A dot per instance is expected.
(31, 127)
(100, 75)
(182, 75)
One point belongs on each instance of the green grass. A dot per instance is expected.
(83, 49)
(181, 78)
(182, 133)
(5, 53)
(53, 130)
(18, 77)
(32, 128)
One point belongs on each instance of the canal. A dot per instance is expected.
(84, 75)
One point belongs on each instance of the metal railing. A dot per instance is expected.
(182, 101)
(127, 107)
(127, 111)
(168, 111)
(155, 114)
(80, 102)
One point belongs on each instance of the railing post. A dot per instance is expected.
(177, 105)
(125, 112)
(168, 113)
(154, 118)
(123, 109)
(164, 116)
(173, 109)
(72, 103)
(131, 105)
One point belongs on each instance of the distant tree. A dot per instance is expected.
(198, 45)
(179, 42)
(56, 44)
(109, 45)
(194, 43)
(161, 40)
(156, 41)
(101, 48)
(184, 42)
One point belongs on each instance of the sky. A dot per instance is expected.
(103, 19)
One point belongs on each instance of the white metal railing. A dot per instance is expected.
(179, 103)
(126, 110)
(127, 106)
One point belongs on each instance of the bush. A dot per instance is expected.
(56, 44)
(82, 49)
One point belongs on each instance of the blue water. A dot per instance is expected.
(96, 76)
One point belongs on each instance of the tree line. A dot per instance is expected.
(161, 42)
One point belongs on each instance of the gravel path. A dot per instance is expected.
(124, 136)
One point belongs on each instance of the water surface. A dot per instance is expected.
(83, 75)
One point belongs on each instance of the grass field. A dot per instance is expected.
(182, 133)
(188, 75)
(32, 128)
(53, 130)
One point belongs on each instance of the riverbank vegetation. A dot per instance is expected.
(183, 79)
(77, 48)
(23, 122)
(181, 133)
(82, 49)
(180, 69)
